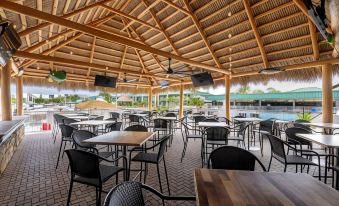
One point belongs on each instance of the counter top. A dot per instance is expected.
(8, 127)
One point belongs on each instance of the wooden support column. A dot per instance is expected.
(19, 96)
(181, 102)
(227, 96)
(327, 97)
(6, 110)
(150, 95)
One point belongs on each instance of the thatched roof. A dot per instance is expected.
(236, 37)
(95, 104)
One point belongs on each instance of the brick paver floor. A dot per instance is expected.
(31, 177)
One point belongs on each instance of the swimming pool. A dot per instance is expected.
(288, 116)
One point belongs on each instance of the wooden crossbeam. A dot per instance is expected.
(256, 32)
(91, 55)
(202, 34)
(177, 7)
(101, 34)
(96, 67)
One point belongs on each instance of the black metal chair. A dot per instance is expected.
(136, 128)
(99, 118)
(170, 114)
(240, 133)
(265, 128)
(69, 121)
(113, 127)
(161, 126)
(115, 115)
(133, 119)
(86, 169)
(214, 136)
(209, 120)
(188, 133)
(330, 159)
(233, 158)
(278, 153)
(66, 136)
(81, 135)
(196, 120)
(117, 196)
(58, 119)
(293, 139)
(143, 156)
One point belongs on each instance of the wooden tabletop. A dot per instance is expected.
(248, 119)
(323, 125)
(231, 187)
(322, 139)
(212, 124)
(125, 138)
(93, 122)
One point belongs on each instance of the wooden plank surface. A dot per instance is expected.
(231, 187)
(125, 138)
(324, 140)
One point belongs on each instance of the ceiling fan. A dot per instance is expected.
(179, 71)
(125, 80)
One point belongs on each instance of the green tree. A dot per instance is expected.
(272, 90)
(244, 90)
(305, 116)
(107, 97)
(196, 101)
(258, 91)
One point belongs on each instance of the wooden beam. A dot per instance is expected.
(227, 97)
(202, 34)
(97, 67)
(327, 96)
(105, 35)
(6, 104)
(256, 32)
(177, 7)
(314, 38)
(150, 95)
(45, 24)
(19, 96)
(91, 55)
(181, 102)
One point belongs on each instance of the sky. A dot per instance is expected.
(279, 85)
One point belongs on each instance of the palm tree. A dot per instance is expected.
(272, 90)
(244, 90)
(258, 91)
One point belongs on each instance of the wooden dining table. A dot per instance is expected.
(232, 187)
(121, 138)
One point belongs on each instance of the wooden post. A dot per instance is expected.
(227, 96)
(19, 96)
(6, 109)
(327, 97)
(181, 102)
(150, 95)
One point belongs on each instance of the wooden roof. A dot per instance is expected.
(225, 37)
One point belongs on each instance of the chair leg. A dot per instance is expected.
(145, 173)
(70, 192)
(59, 154)
(99, 196)
(269, 164)
(285, 167)
(183, 151)
(159, 178)
(168, 186)
(140, 171)
(296, 168)
(63, 151)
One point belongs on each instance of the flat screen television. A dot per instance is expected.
(202, 79)
(9, 42)
(105, 81)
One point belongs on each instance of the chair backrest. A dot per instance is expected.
(170, 115)
(305, 127)
(162, 146)
(83, 164)
(277, 147)
(301, 121)
(58, 118)
(291, 134)
(66, 130)
(80, 135)
(160, 123)
(117, 196)
(216, 133)
(99, 118)
(266, 125)
(112, 119)
(210, 120)
(198, 118)
(224, 119)
(136, 128)
(133, 118)
(233, 158)
(114, 127)
(243, 126)
(115, 115)
(68, 121)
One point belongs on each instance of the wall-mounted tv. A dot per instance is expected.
(9, 42)
(105, 81)
(202, 79)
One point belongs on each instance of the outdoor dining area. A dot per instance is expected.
(143, 154)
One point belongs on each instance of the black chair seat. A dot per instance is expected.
(69, 139)
(295, 159)
(220, 142)
(146, 157)
(106, 172)
(106, 154)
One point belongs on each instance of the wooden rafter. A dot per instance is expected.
(96, 67)
(256, 32)
(91, 55)
(105, 35)
(202, 34)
